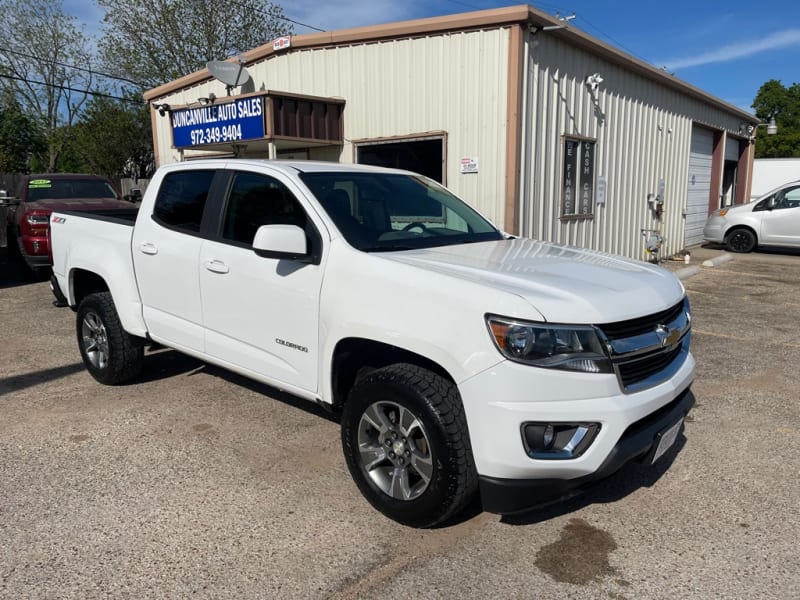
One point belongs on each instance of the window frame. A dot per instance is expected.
(577, 177)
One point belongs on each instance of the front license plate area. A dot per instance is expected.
(665, 439)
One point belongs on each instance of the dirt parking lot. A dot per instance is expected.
(194, 482)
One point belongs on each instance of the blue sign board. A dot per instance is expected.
(229, 122)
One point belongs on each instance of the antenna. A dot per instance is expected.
(231, 74)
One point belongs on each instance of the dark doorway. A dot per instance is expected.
(728, 196)
(421, 156)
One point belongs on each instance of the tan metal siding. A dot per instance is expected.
(454, 82)
(643, 133)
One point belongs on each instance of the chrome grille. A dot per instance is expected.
(649, 350)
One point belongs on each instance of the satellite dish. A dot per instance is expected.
(231, 74)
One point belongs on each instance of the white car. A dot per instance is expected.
(772, 220)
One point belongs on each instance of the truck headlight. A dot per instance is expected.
(567, 347)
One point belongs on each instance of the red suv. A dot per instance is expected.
(39, 195)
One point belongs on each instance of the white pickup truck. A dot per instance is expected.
(461, 359)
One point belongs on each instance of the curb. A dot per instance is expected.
(687, 272)
(717, 260)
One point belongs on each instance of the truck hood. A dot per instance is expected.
(563, 283)
(59, 204)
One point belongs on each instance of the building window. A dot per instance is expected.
(577, 183)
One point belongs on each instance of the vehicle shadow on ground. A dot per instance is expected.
(13, 273)
(624, 482)
(760, 250)
(16, 383)
(164, 363)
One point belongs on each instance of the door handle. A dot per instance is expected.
(216, 266)
(148, 248)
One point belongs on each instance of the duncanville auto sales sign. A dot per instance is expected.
(218, 123)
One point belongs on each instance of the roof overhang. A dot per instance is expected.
(520, 15)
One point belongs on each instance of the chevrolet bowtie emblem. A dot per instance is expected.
(668, 337)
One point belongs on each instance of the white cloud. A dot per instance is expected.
(780, 39)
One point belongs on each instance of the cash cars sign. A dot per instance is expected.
(227, 122)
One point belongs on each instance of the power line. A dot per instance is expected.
(71, 89)
(69, 66)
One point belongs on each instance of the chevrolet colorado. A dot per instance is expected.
(462, 360)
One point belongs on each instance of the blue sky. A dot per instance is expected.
(726, 48)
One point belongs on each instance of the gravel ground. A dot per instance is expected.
(194, 482)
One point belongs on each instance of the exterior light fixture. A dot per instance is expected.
(594, 81)
(772, 126)
(162, 108)
(210, 99)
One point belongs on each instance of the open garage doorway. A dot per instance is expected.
(421, 155)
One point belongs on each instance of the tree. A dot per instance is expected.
(40, 48)
(774, 100)
(125, 148)
(155, 41)
(20, 137)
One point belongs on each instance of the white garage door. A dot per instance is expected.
(700, 158)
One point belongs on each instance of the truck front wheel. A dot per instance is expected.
(406, 443)
(111, 354)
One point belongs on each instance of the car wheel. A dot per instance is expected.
(405, 440)
(111, 355)
(740, 240)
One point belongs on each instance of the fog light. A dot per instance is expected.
(558, 441)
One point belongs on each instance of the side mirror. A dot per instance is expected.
(286, 242)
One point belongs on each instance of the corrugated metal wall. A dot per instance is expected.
(643, 132)
(455, 82)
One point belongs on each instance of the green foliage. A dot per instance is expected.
(21, 140)
(39, 42)
(775, 100)
(114, 139)
(155, 41)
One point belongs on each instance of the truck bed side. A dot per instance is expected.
(97, 247)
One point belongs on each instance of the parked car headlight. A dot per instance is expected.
(567, 347)
(38, 219)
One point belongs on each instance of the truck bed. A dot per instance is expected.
(122, 216)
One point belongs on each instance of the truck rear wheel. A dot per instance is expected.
(405, 439)
(111, 354)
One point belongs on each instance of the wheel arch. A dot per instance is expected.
(739, 227)
(353, 358)
(84, 282)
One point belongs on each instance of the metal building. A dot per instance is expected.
(548, 131)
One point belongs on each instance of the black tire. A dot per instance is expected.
(416, 467)
(111, 354)
(740, 240)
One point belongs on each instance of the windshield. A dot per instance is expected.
(379, 212)
(58, 189)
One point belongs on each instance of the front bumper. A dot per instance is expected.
(36, 251)
(714, 230)
(508, 496)
(500, 400)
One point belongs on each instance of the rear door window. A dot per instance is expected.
(182, 198)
